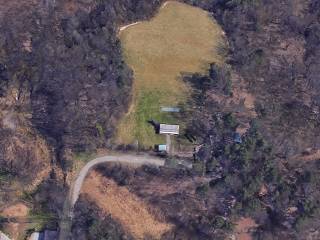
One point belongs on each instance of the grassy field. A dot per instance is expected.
(179, 39)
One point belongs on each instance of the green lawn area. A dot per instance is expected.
(179, 39)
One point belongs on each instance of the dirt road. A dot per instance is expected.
(129, 25)
(75, 189)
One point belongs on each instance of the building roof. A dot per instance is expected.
(169, 129)
(45, 235)
(170, 109)
(35, 236)
(162, 147)
(237, 138)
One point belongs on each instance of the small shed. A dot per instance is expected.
(170, 109)
(161, 148)
(237, 138)
(36, 236)
(45, 235)
(169, 129)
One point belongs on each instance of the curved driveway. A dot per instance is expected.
(128, 159)
(75, 189)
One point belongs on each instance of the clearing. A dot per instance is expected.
(179, 39)
(135, 216)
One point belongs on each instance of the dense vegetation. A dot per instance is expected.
(263, 186)
(73, 85)
(71, 82)
(91, 225)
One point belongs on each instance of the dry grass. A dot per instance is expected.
(18, 210)
(311, 156)
(180, 38)
(131, 212)
(242, 229)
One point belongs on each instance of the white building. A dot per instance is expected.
(3, 236)
(35, 236)
(169, 129)
(45, 235)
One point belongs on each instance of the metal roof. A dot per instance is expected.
(45, 235)
(237, 138)
(170, 109)
(169, 129)
(35, 236)
(162, 147)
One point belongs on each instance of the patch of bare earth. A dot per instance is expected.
(72, 6)
(136, 216)
(18, 210)
(243, 228)
(310, 155)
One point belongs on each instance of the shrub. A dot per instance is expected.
(202, 190)
(220, 222)
(230, 121)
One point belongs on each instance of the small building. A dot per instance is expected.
(170, 109)
(237, 138)
(36, 236)
(45, 235)
(169, 129)
(161, 148)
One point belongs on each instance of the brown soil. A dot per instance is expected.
(311, 156)
(17, 210)
(242, 229)
(135, 216)
(72, 6)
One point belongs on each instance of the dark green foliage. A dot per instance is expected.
(221, 77)
(200, 82)
(106, 229)
(5, 175)
(202, 190)
(218, 78)
(229, 121)
(260, 110)
(286, 121)
(249, 164)
(257, 57)
(220, 222)
(90, 224)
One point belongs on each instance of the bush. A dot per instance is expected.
(220, 222)
(105, 230)
(230, 121)
(202, 190)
